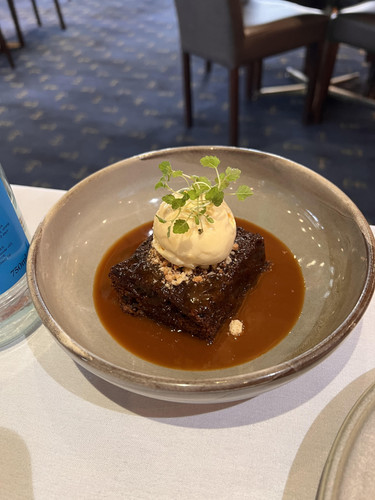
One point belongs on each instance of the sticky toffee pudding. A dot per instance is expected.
(195, 301)
(267, 313)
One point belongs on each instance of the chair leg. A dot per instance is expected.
(313, 60)
(187, 89)
(233, 106)
(258, 74)
(254, 78)
(17, 26)
(59, 14)
(309, 60)
(370, 84)
(323, 80)
(36, 12)
(5, 49)
(58, 10)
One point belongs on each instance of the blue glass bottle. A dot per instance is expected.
(17, 314)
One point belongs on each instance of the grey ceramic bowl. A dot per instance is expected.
(327, 233)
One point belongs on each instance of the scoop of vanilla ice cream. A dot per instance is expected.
(192, 249)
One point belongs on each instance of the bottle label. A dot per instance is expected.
(13, 244)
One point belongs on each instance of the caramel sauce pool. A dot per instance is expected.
(268, 312)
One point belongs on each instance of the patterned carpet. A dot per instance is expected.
(110, 87)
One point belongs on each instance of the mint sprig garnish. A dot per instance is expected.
(198, 194)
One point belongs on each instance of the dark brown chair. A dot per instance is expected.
(215, 30)
(255, 12)
(353, 26)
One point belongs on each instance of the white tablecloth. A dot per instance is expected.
(65, 434)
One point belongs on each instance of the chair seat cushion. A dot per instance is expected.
(283, 35)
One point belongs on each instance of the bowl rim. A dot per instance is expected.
(209, 384)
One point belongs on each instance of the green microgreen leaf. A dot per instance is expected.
(243, 192)
(215, 195)
(202, 183)
(163, 221)
(232, 174)
(180, 202)
(168, 198)
(210, 161)
(177, 173)
(193, 194)
(180, 226)
(160, 184)
(166, 169)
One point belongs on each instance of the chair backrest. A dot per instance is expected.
(343, 4)
(327, 4)
(314, 4)
(212, 29)
(355, 26)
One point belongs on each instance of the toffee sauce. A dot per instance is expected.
(268, 312)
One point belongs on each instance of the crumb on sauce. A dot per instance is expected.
(235, 328)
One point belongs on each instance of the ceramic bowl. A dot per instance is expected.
(322, 227)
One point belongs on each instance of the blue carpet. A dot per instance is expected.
(109, 87)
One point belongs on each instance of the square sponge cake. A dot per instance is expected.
(194, 301)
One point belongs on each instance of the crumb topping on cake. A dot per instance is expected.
(174, 275)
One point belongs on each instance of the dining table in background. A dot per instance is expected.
(64, 433)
